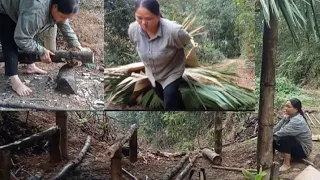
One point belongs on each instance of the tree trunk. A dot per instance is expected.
(66, 81)
(218, 132)
(266, 102)
(275, 173)
(62, 122)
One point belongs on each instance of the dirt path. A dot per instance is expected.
(88, 25)
(244, 69)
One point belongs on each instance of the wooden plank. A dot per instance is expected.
(309, 173)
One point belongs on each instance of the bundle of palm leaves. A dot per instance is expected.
(202, 88)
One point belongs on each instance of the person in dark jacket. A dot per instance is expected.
(21, 22)
(292, 135)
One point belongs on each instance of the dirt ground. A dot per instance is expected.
(88, 25)
(96, 165)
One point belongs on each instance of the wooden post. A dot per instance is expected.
(50, 38)
(266, 100)
(5, 165)
(218, 132)
(202, 174)
(133, 144)
(61, 121)
(116, 171)
(54, 144)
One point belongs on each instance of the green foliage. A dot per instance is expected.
(253, 176)
(220, 37)
(245, 25)
(170, 130)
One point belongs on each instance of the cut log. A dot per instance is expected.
(54, 150)
(126, 69)
(66, 81)
(275, 173)
(218, 132)
(212, 156)
(59, 57)
(112, 149)
(170, 174)
(232, 168)
(116, 170)
(5, 165)
(129, 174)
(133, 145)
(62, 122)
(316, 137)
(27, 142)
(184, 172)
(309, 173)
(168, 155)
(73, 164)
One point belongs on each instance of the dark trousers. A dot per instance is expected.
(289, 145)
(170, 95)
(9, 47)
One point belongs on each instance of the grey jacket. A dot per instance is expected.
(33, 17)
(297, 127)
(162, 55)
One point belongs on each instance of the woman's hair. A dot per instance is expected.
(152, 5)
(67, 6)
(296, 103)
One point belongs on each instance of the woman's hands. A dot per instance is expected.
(46, 56)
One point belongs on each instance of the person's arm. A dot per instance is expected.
(293, 128)
(181, 38)
(278, 126)
(68, 34)
(27, 26)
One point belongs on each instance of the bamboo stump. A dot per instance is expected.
(54, 144)
(5, 165)
(61, 121)
(116, 171)
(212, 156)
(66, 82)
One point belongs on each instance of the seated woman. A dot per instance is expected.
(292, 135)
